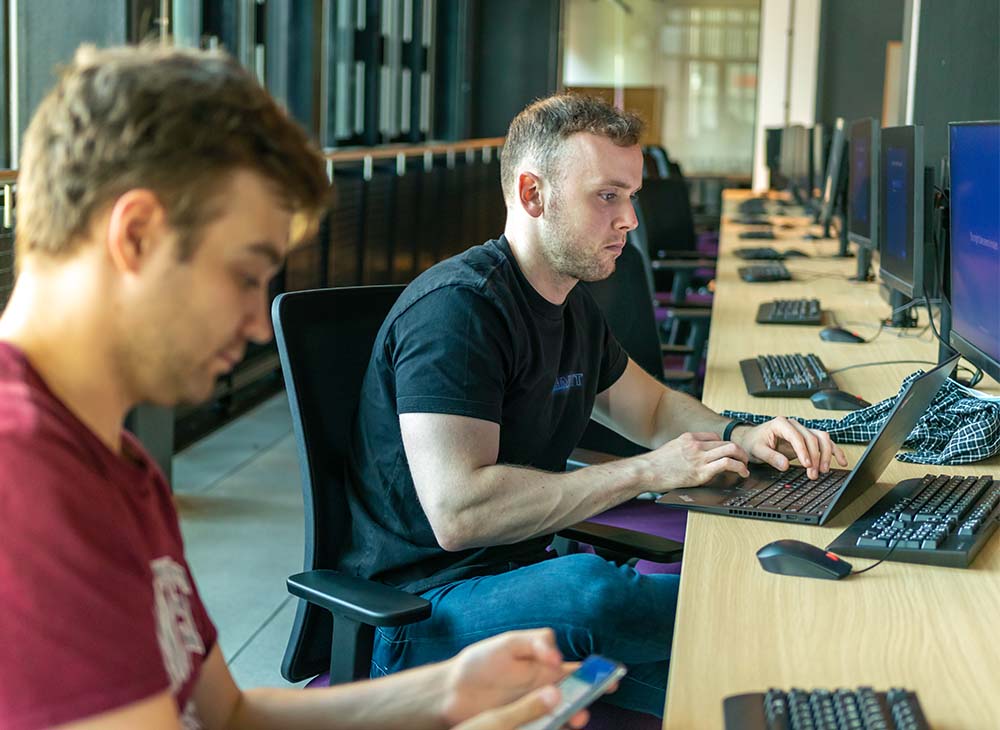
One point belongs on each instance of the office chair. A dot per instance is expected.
(690, 321)
(663, 161)
(325, 339)
(653, 166)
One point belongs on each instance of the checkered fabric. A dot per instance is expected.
(957, 428)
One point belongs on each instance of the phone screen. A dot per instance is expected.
(582, 687)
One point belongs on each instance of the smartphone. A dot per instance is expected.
(591, 679)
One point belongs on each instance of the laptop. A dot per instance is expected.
(790, 496)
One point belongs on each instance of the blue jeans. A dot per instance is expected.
(594, 607)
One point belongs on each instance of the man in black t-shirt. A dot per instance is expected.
(484, 376)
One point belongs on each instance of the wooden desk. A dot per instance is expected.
(740, 629)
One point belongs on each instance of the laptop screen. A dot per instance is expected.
(904, 416)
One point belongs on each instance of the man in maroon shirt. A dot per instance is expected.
(159, 192)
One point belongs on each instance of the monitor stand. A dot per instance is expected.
(864, 265)
(843, 252)
(901, 320)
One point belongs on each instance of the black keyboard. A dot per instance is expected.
(939, 520)
(761, 235)
(753, 220)
(790, 311)
(820, 709)
(765, 272)
(765, 254)
(786, 375)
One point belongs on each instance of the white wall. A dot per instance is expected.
(787, 72)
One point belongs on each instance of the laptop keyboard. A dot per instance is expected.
(794, 492)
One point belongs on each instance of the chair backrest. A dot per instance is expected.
(626, 299)
(653, 166)
(669, 222)
(325, 339)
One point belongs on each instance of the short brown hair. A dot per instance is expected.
(537, 133)
(175, 121)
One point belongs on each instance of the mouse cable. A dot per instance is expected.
(882, 362)
(880, 561)
(977, 375)
(880, 325)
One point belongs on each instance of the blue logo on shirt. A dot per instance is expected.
(568, 382)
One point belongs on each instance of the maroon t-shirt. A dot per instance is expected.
(98, 608)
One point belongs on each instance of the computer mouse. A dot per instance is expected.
(837, 400)
(793, 557)
(839, 334)
(790, 252)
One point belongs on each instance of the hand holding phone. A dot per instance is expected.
(591, 680)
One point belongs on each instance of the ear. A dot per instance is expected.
(529, 194)
(136, 224)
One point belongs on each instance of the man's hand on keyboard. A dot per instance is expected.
(781, 439)
(692, 459)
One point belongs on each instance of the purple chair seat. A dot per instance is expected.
(652, 519)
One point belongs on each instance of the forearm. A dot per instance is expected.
(411, 699)
(678, 413)
(501, 504)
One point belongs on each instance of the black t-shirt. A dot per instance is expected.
(471, 337)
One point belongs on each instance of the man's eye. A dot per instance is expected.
(608, 197)
(250, 282)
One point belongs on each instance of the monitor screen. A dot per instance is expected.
(975, 242)
(901, 209)
(863, 186)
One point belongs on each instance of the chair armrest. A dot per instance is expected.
(667, 253)
(677, 377)
(675, 349)
(682, 264)
(690, 313)
(358, 599)
(580, 458)
(618, 539)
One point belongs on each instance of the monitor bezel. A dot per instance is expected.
(912, 136)
(834, 163)
(956, 340)
(817, 172)
(874, 146)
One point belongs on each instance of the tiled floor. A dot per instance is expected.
(240, 503)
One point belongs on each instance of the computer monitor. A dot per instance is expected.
(805, 164)
(835, 178)
(974, 153)
(862, 198)
(902, 209)
(820, 139)
(787, 157)
(773, 149)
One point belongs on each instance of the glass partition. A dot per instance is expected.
(689, 67)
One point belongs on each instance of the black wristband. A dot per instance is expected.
(727, 432)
